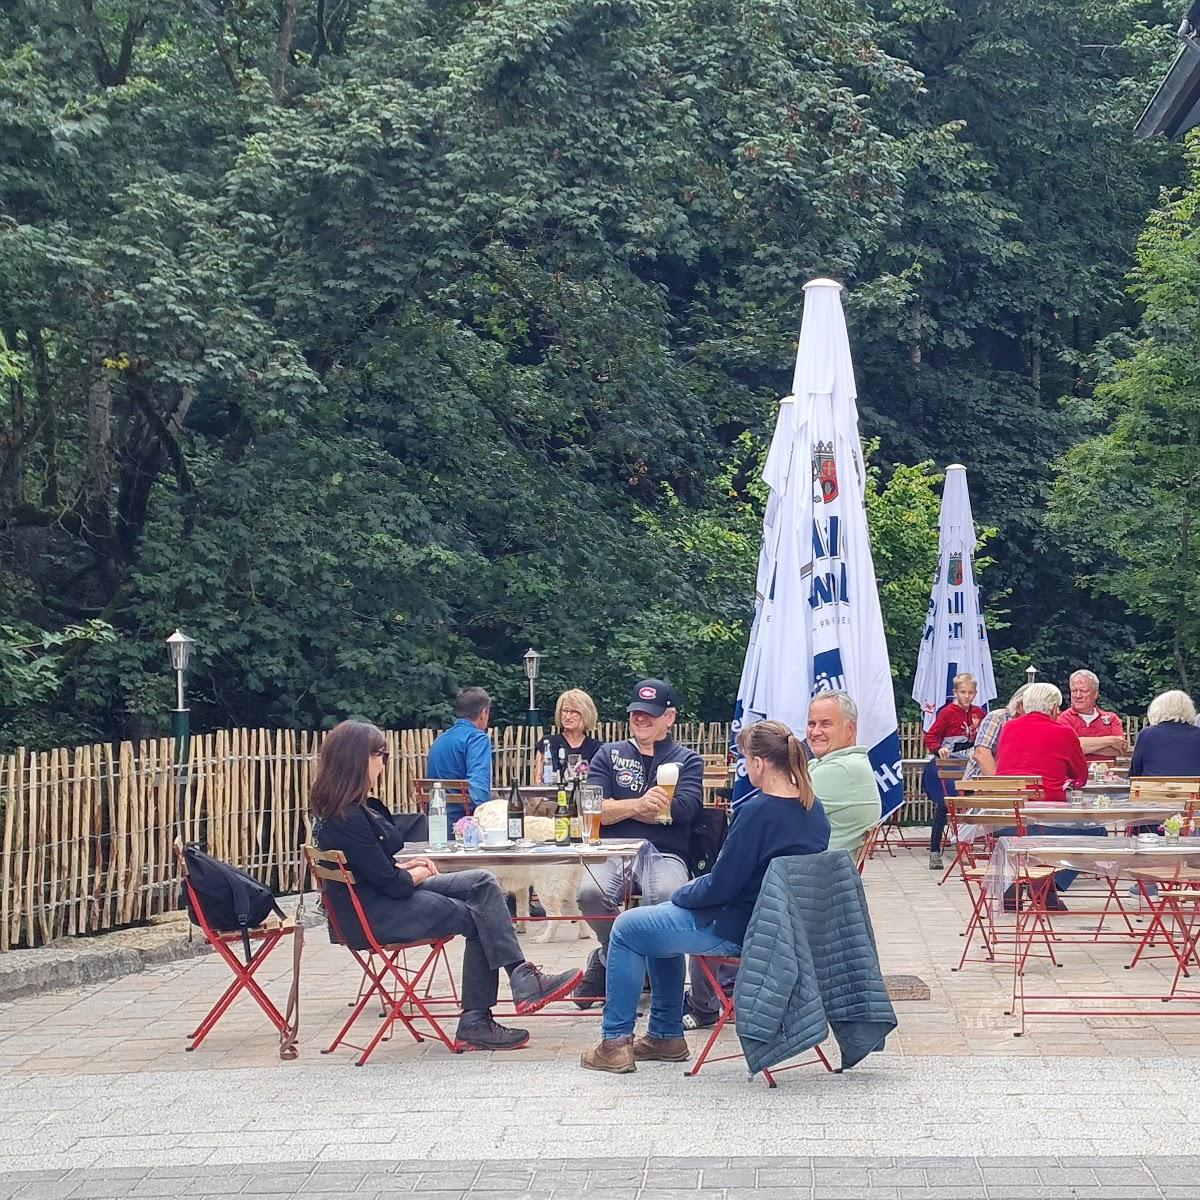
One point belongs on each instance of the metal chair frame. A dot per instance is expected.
(385, 967)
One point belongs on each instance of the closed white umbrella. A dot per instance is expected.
(955, 640)
(817, 622)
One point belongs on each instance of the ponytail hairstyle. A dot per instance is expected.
(779, 746)
(342, 768)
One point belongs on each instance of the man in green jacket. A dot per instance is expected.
(841, 771)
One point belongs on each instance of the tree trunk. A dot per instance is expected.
(47, 417)
(97, 486)
(12, 468)
(1182, 608)
(287, 33)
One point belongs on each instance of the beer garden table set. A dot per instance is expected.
(529, 854)
(1165, 876)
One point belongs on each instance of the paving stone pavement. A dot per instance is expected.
(654, 1178)
(98, 1098)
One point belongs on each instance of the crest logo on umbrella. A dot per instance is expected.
(954, 574)
(825, 471)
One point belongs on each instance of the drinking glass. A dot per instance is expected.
(472, 835)
(591, 804)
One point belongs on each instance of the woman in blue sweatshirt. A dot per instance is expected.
(709, 915)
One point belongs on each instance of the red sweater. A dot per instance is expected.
(1036, 745)
(953, 721)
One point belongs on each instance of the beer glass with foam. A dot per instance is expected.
(667, 779)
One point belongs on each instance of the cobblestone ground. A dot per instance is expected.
(1010, 1178)
(98, 1098)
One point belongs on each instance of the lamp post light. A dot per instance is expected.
(532, 660)
(180, 647)
(1030, 674)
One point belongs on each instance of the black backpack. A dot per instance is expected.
(708, 836)
(230, 898)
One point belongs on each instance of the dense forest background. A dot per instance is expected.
(373, 341)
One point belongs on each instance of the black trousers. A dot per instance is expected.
(481, 916)
(936, 791)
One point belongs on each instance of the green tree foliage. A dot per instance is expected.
(1129, 497)
(1023, 205)
(373, 341)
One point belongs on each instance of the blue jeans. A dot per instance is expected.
(654, 938)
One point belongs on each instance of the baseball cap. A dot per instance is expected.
(653, 696)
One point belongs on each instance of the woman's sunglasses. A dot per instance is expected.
(384, 754)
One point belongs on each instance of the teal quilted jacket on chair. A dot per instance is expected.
(809, 965)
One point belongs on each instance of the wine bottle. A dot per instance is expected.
(573, 814)
(562, 818)
(516, 814)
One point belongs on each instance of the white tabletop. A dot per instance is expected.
(547, 854)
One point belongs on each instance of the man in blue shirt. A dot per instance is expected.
(464, 751)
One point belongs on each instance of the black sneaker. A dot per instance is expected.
(694, 1018)
(531, 989)
(594, 982)
(482, 1033)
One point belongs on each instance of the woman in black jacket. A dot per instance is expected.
(409, 899)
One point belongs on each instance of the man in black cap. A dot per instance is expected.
(635, 806)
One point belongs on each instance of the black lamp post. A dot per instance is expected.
(532, 660)
(180, 646)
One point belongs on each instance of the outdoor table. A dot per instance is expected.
(1111, 858)
(1115, 860)
(549, 854)
(536, 853)
(1069, 814)
(1113, 787)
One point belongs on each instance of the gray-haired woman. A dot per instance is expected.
(1170, 744)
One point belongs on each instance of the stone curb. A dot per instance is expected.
(79, 962)
(24, 972)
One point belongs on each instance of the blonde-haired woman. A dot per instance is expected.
(576, 719)
(710, 914)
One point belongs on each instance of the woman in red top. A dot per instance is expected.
(952, 732)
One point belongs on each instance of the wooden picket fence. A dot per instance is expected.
(88, 830)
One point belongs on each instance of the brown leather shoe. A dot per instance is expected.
(652, 1049)
(614, 1055)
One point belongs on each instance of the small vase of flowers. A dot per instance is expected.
(466, 833)
(1172, 827)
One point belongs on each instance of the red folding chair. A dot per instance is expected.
(883, 839)
(707, 963)
(268, 935)
(1030, 887)
(385, 968)
(871, 840)
(1166, 892)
